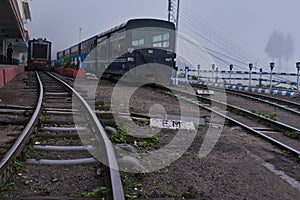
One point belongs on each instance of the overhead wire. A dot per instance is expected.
(208, 40)
(223, 42)
(200, 23)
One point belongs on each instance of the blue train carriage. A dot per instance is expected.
(75, 55)
(134, 43)
(39, 54)
(60, 55)
(59, 59)
(131, 44)
(86, 48)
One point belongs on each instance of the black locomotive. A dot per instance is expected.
(133, 43)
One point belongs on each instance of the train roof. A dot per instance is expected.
(136, 23)
(131, 24)
(39, 40)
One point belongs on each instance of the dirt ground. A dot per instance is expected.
(18, 92)
(240, 166)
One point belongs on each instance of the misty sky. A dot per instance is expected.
(247, 23)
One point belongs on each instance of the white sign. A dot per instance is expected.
(205, 92)
(172, 124)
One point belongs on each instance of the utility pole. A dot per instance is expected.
(80, 29)
(171, 14)
(177, 15)
(171, 18)
(170, 9)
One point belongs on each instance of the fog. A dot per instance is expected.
(239, 29)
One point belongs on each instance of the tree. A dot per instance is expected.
(288, 48)
(280, 47)
(272, 45)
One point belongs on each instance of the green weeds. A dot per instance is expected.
(293, 134)
(270, 116)
(191, 193)
(132, 189)
(18, 165)
(97, 192)
(43, 119)
(7, 190)
(119, 137)
(32, 153)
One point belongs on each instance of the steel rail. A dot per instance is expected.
(279, 125)
(297, 105)
(115, 179)
(266, 99)
(17, 148)
(263, 98)
(268, 138)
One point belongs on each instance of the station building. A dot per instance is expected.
(14, 15)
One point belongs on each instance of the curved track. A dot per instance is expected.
(264, 127)
(281, 103)
(7, 162)
(55, 104)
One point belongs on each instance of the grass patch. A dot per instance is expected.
(97, 192)
(191, 193)
(119, 137)
(293, 134)
(122, 138)
(239, 112)
(42, 120)
(18, 166)
(153, 139)
(32, 153)
(270, 116)
(132, 189)
(7, 190)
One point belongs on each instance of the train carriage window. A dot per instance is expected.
(150, 37)
(117, 43)
(166, 36)
(135, 43)
(103, 48)
(161, 40)
(40, 51)
(140, 42)
(166, 44)
(157, 38)
(88, 46)
(158, 44)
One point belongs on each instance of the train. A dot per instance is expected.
(39, 54)
(121, 48)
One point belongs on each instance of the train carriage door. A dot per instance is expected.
(102, 52)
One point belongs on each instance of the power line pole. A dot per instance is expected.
(80, 29)
(170, 9)
(171, 13)
(177, 15)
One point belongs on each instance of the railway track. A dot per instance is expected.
(286, 105)
(264, 127)
(56, 162)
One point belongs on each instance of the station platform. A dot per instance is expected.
(13, 30)
(9, 72)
